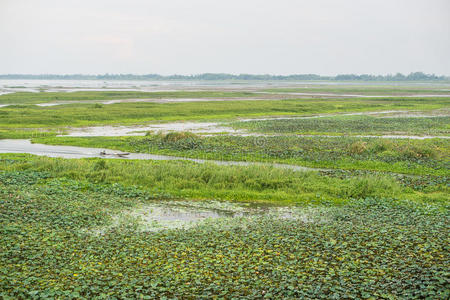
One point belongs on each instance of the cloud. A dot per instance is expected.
(174, 36)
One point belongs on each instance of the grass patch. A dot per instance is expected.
(183, 179)
(352, 125)
(367, 90)
(419, 157)
(32, 98)
(78, 115)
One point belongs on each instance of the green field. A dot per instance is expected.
(269, 184)
(352, 125)
(18, 121)
(419, 157)
(46, 97)
(369, 220)
(391, 90)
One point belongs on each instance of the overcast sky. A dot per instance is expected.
(232, 36)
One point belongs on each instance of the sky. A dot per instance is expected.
(325, 37)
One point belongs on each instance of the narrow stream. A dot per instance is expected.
(25, 146)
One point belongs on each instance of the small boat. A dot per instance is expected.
(119, 154)
(123, 154)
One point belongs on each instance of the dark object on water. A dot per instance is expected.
(122, 154)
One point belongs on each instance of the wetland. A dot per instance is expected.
(247, 190)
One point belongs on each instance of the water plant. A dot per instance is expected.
(372, 247)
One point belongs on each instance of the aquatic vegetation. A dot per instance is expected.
(373, 247)
(352, 125)
(372, 223)
(188, 180)
(365, 90)
(80, 114)
(390, 155)
(31, 98)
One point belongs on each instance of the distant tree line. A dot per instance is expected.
(416, 76)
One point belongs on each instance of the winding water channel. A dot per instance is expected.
(25, 146)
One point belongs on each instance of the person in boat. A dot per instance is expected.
(103, 152)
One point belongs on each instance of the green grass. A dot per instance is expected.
(352, 125)
(419, 157)
(367, 90)
(26, 133)
(367, 248)
(183, 179)
(79, 115)
(44, 97)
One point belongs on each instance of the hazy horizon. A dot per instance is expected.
(212, 73)
(283, 37)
